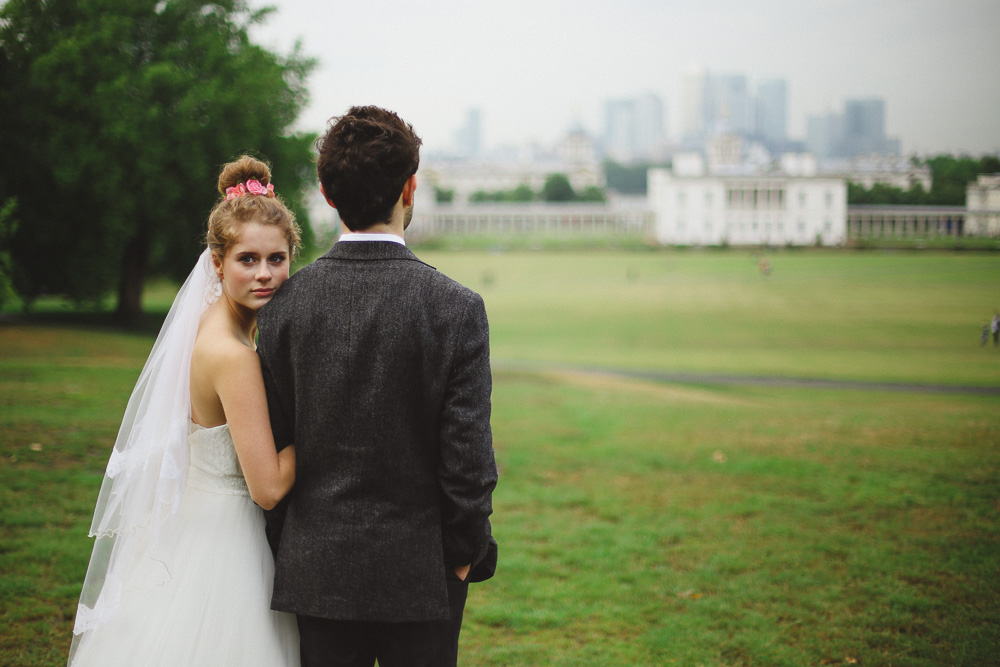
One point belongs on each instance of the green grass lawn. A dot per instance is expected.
(901, 317)
(641, 523)
(652, 525)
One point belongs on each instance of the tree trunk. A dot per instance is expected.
(132, 280)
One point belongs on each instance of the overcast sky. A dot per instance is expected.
(536, 67)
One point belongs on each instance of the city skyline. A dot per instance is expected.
(535, 69)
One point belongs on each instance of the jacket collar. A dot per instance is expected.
(371, 251)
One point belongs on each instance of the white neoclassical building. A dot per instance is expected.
(982, 202)
(745, 207)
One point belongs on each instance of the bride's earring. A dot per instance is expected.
(214, 291)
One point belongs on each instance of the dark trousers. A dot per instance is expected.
(330, 643)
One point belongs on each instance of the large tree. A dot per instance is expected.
(115, 116)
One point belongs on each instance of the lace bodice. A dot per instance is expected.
(213, 464)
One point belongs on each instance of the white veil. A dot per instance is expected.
(148, 466)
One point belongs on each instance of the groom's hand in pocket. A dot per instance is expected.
(462, 571)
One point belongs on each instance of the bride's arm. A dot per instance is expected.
(240, 386)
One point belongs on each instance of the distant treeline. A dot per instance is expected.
(949, 178)
(557, 188)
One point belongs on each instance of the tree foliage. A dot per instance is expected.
(8, 224)
(557, 188)
(883, 193)
(444, 195)
(115, 116)
(522, 193)
(592, 193)
(627, 179)
(951, 175)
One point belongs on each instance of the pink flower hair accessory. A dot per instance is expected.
(251, 187)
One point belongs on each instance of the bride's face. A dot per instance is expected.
(255, 266)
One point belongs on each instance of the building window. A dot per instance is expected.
(829, 200)
(802, 200)
(681, 197)
(708, 199)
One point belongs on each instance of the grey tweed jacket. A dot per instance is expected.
(377, 368)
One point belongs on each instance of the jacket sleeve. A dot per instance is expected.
(282, 424)
(282, 428)
(467, 469)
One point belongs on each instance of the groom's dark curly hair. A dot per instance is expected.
(364, 161)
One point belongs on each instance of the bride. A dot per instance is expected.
(181, 573)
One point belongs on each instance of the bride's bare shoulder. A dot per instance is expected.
(217, 349)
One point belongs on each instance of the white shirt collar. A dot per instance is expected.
(364, 236)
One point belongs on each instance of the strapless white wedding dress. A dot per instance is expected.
(203, 597)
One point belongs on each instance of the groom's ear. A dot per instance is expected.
(328, 200)
(408, 189)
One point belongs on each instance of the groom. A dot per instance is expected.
(377, 369)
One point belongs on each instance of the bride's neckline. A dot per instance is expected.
(207, 428)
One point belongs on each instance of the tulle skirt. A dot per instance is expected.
(202, 599)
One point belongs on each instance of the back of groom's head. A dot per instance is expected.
(365, 159)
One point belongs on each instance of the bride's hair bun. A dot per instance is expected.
(243, 169)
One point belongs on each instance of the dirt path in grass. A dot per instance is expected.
(752, 380)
